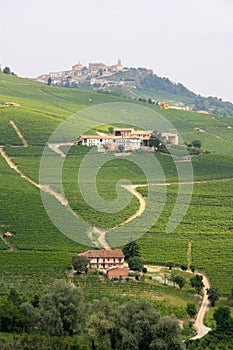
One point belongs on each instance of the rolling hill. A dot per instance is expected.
(37, 252)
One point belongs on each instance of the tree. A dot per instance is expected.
(197, 283)
(49, 81)
(110, 129)
(154, 140)
(14, 297)
(196, 143)
(62, 310)
(121, 148)
(191, 309)
(167, 335)
(10, 318)
(80, 263)
(180, 281)
(135, 263)
(223, 319)
(36, 301)
(136, 320)
(29, 316)
(192, 268)
(131, 250)
(213, 295)
(170, 265)
(184, 267)
(7, 70)
(140, 326)
(101, 324)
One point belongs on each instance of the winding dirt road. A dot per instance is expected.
(18, 132)
(199, 326)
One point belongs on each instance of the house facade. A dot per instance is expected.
(104, 259)
(129, 138)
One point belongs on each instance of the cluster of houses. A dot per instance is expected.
(112, 261)
(127, 139)
(80, 73)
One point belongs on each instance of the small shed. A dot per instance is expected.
(117, 272)
(7, 234)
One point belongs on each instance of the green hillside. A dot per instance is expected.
(42, 253)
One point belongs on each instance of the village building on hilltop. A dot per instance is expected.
(80, 73)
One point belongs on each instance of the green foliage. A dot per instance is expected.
(140, 327)
(191, 309)
(121, 148)
(62, 310)
(213, 105)
(197, 283)
(49, 81)
(192, 268)
(179, 280)
(110, 129)
(213, 295)
(196, 144)
(222, 316)
(135, 263)
(157, 84)
(131, 250)
(170, 265)
(6, 70)
(80, 263)
(184, 267)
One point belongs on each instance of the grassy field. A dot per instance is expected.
(44, 252)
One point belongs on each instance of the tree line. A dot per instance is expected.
(61, 316)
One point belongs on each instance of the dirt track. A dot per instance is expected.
(201, 329)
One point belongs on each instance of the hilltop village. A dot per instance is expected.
(97, 74)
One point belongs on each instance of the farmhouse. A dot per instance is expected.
(170, 138)
(129, 138)
(104, 259)
(112, 142)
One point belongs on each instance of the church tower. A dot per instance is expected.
(119, 65)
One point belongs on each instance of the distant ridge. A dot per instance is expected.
(136, 83)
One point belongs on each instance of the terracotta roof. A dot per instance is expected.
(102, 253)
(123, 129)
(8, 233)
(96, 137)
(117, 268)
(142, 132)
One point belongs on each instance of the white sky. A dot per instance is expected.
(190, 41)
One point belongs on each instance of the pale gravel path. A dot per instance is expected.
(20, 135)
(201, 329)
(44, 188)
(55, 147)
(199, 326)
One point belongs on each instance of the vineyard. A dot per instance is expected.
(42, 253)
(166, 299)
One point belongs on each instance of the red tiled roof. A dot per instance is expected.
(8, 233)
(102, 253)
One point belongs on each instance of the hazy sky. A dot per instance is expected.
(190, 41)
